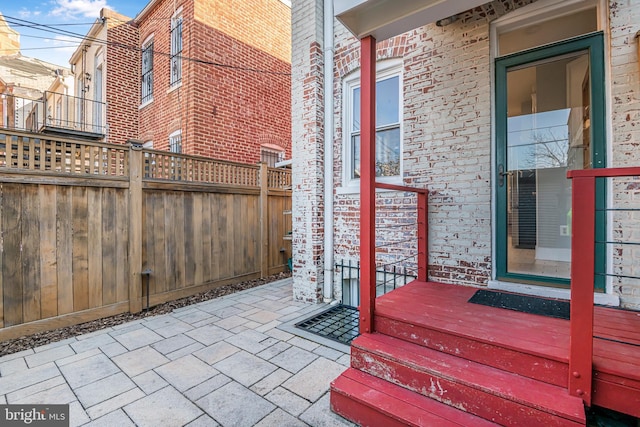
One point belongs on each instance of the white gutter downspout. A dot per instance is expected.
(328, 151)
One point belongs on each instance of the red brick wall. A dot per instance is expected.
(224, 110)
(123, 81)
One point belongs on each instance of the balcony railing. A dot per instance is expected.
(54, 113)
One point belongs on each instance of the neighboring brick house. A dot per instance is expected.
(450, 107)
(106, 71)
(215, 78)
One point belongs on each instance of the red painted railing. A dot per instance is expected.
(583, 209)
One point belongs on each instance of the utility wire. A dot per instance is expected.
(47, 28)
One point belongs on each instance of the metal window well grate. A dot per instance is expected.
(339, 323)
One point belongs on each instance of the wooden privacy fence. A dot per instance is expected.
(81, 222)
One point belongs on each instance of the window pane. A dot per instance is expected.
(387, 101)
(388, 152)
(355, 155)
(356, 110)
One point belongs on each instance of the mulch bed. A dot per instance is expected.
(41, 338)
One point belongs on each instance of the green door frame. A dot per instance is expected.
(594, 44)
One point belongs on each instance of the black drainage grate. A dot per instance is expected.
(339, 323)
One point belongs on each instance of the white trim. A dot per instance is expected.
(549, 292)
(173, 135)
(384, 69)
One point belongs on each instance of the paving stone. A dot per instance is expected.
(50, 355)
(58, 395)
(125, 328)
(115, 418)
(149, 382)
(267, 326)
(238, 329)
(271, 382)
(88, 370)
(312, 381)
(233, 405)
(185, 351)
(196, 316)
(166, 407)
(17, 355)
(228, 311)
(281, 419)
(208, 334)
(289, 309)
(36, 388)
(231, 322)
(251, 325)
(203, 421)
(96, 341)
(248, 340)
(113, 349)
(206, 387)
(249, 299)
(3, 400)
(138, 361)
(171, 327)
(186, 372)
(33, 376)
(172, 344)
(104, 389)
(216, 352)
(79, 356)
(55, 344)
(263, 317)
(293, 359)
(303, 343)
(93, 334)
(77, 415)
(272, 306)
(215, 306)
(345, 360)
(115, 403)
(320, 415)
(279, 334)
(290, 402)
(274, 350)
(138, 338)
(12, 366)
(327, 352)
(245, 368)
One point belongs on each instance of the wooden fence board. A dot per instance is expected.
(198, 238)
(95, 246)
(122, 238)
(48, 264)
(30, 253)
(189, 240)
(80, 243)
(207, 237)
(170, 242)
(159, 275)
(64, 252)
(147, 247)
(215, 203)
(179, 230)
(12, 257)
(227, 243)
(109, 257)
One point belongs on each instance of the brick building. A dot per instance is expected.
(107, 81)
(455, 116)
(215, 78)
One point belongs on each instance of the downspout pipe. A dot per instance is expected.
(328, 150)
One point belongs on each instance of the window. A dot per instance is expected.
(147, 71)
(388, 123)
(176, 50)
(175, 142)
(271, 156)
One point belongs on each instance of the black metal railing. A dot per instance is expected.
(388, 278)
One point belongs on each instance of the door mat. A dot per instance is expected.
(523, 303)
(339, 323)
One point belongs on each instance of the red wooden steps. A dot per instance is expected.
(490, 393)
(370, 401)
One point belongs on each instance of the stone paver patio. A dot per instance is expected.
(232, 361)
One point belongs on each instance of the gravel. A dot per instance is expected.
(41, 338)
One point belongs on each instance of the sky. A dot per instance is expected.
(68, 16)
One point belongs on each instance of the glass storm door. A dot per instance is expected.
(549, 119)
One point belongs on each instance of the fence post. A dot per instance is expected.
(135, 226)
(264, 223)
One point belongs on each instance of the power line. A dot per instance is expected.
(47, 28)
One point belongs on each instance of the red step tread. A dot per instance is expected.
(368, 400)
(411, 361)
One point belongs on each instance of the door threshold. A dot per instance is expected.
(550, 292)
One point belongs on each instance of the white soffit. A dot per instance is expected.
(383, 19)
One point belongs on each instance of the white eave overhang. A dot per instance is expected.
(384, 19)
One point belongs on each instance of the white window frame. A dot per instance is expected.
(384, 70)
(145, 45)
(173, 137)
(175, 58)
